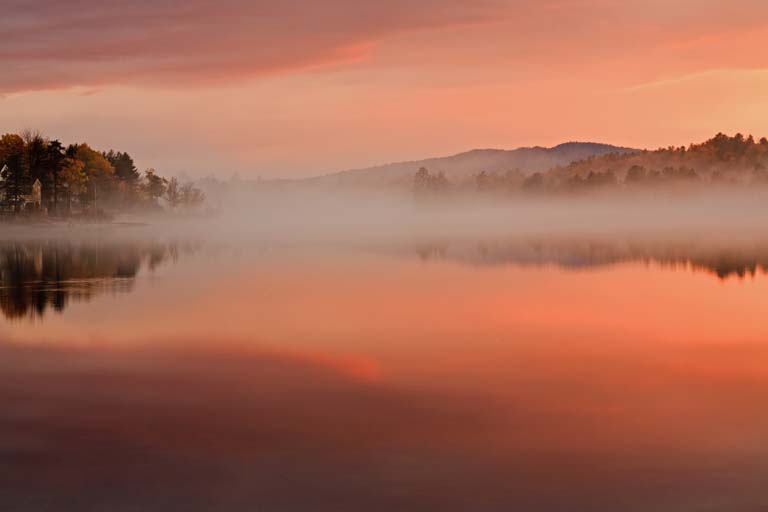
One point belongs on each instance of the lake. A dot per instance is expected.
(575, 374)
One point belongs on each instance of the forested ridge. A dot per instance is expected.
(720, 161)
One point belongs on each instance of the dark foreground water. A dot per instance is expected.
(526, 375)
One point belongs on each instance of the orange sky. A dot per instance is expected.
(302, 87)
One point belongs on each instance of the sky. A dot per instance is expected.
(303, 87)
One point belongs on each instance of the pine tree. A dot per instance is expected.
(15, 172)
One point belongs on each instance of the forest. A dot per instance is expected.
(43, 177)
(727, 161)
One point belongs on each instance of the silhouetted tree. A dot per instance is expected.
(125, 169)
(534, 183)
(191, 196)
(173, 193)
(154, 186)
(483, 182)
(636, 175)
(426, 183)
(35, 155)
(126, 174)
(601, 179)
(14, 170)
(54, 163)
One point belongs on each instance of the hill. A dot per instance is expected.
(464, 166)
(736, 159)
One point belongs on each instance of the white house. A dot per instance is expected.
(33, 200)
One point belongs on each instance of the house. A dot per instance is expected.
(31, 202)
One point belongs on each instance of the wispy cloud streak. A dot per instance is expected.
(50, 44)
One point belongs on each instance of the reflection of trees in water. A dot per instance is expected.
(724, 260)
(36, 276)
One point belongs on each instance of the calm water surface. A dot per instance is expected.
(575, 375)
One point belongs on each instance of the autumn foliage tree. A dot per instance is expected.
(127, 176)
(722, 161)
(78, 177)
(154, 186)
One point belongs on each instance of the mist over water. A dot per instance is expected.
(324, 213)
(489, 256)
(307, 350)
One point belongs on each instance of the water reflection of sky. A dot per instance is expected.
(289, 379)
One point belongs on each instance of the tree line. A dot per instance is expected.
(722, 160)
(77, 178)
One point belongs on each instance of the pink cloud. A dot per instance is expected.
(50, 44)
